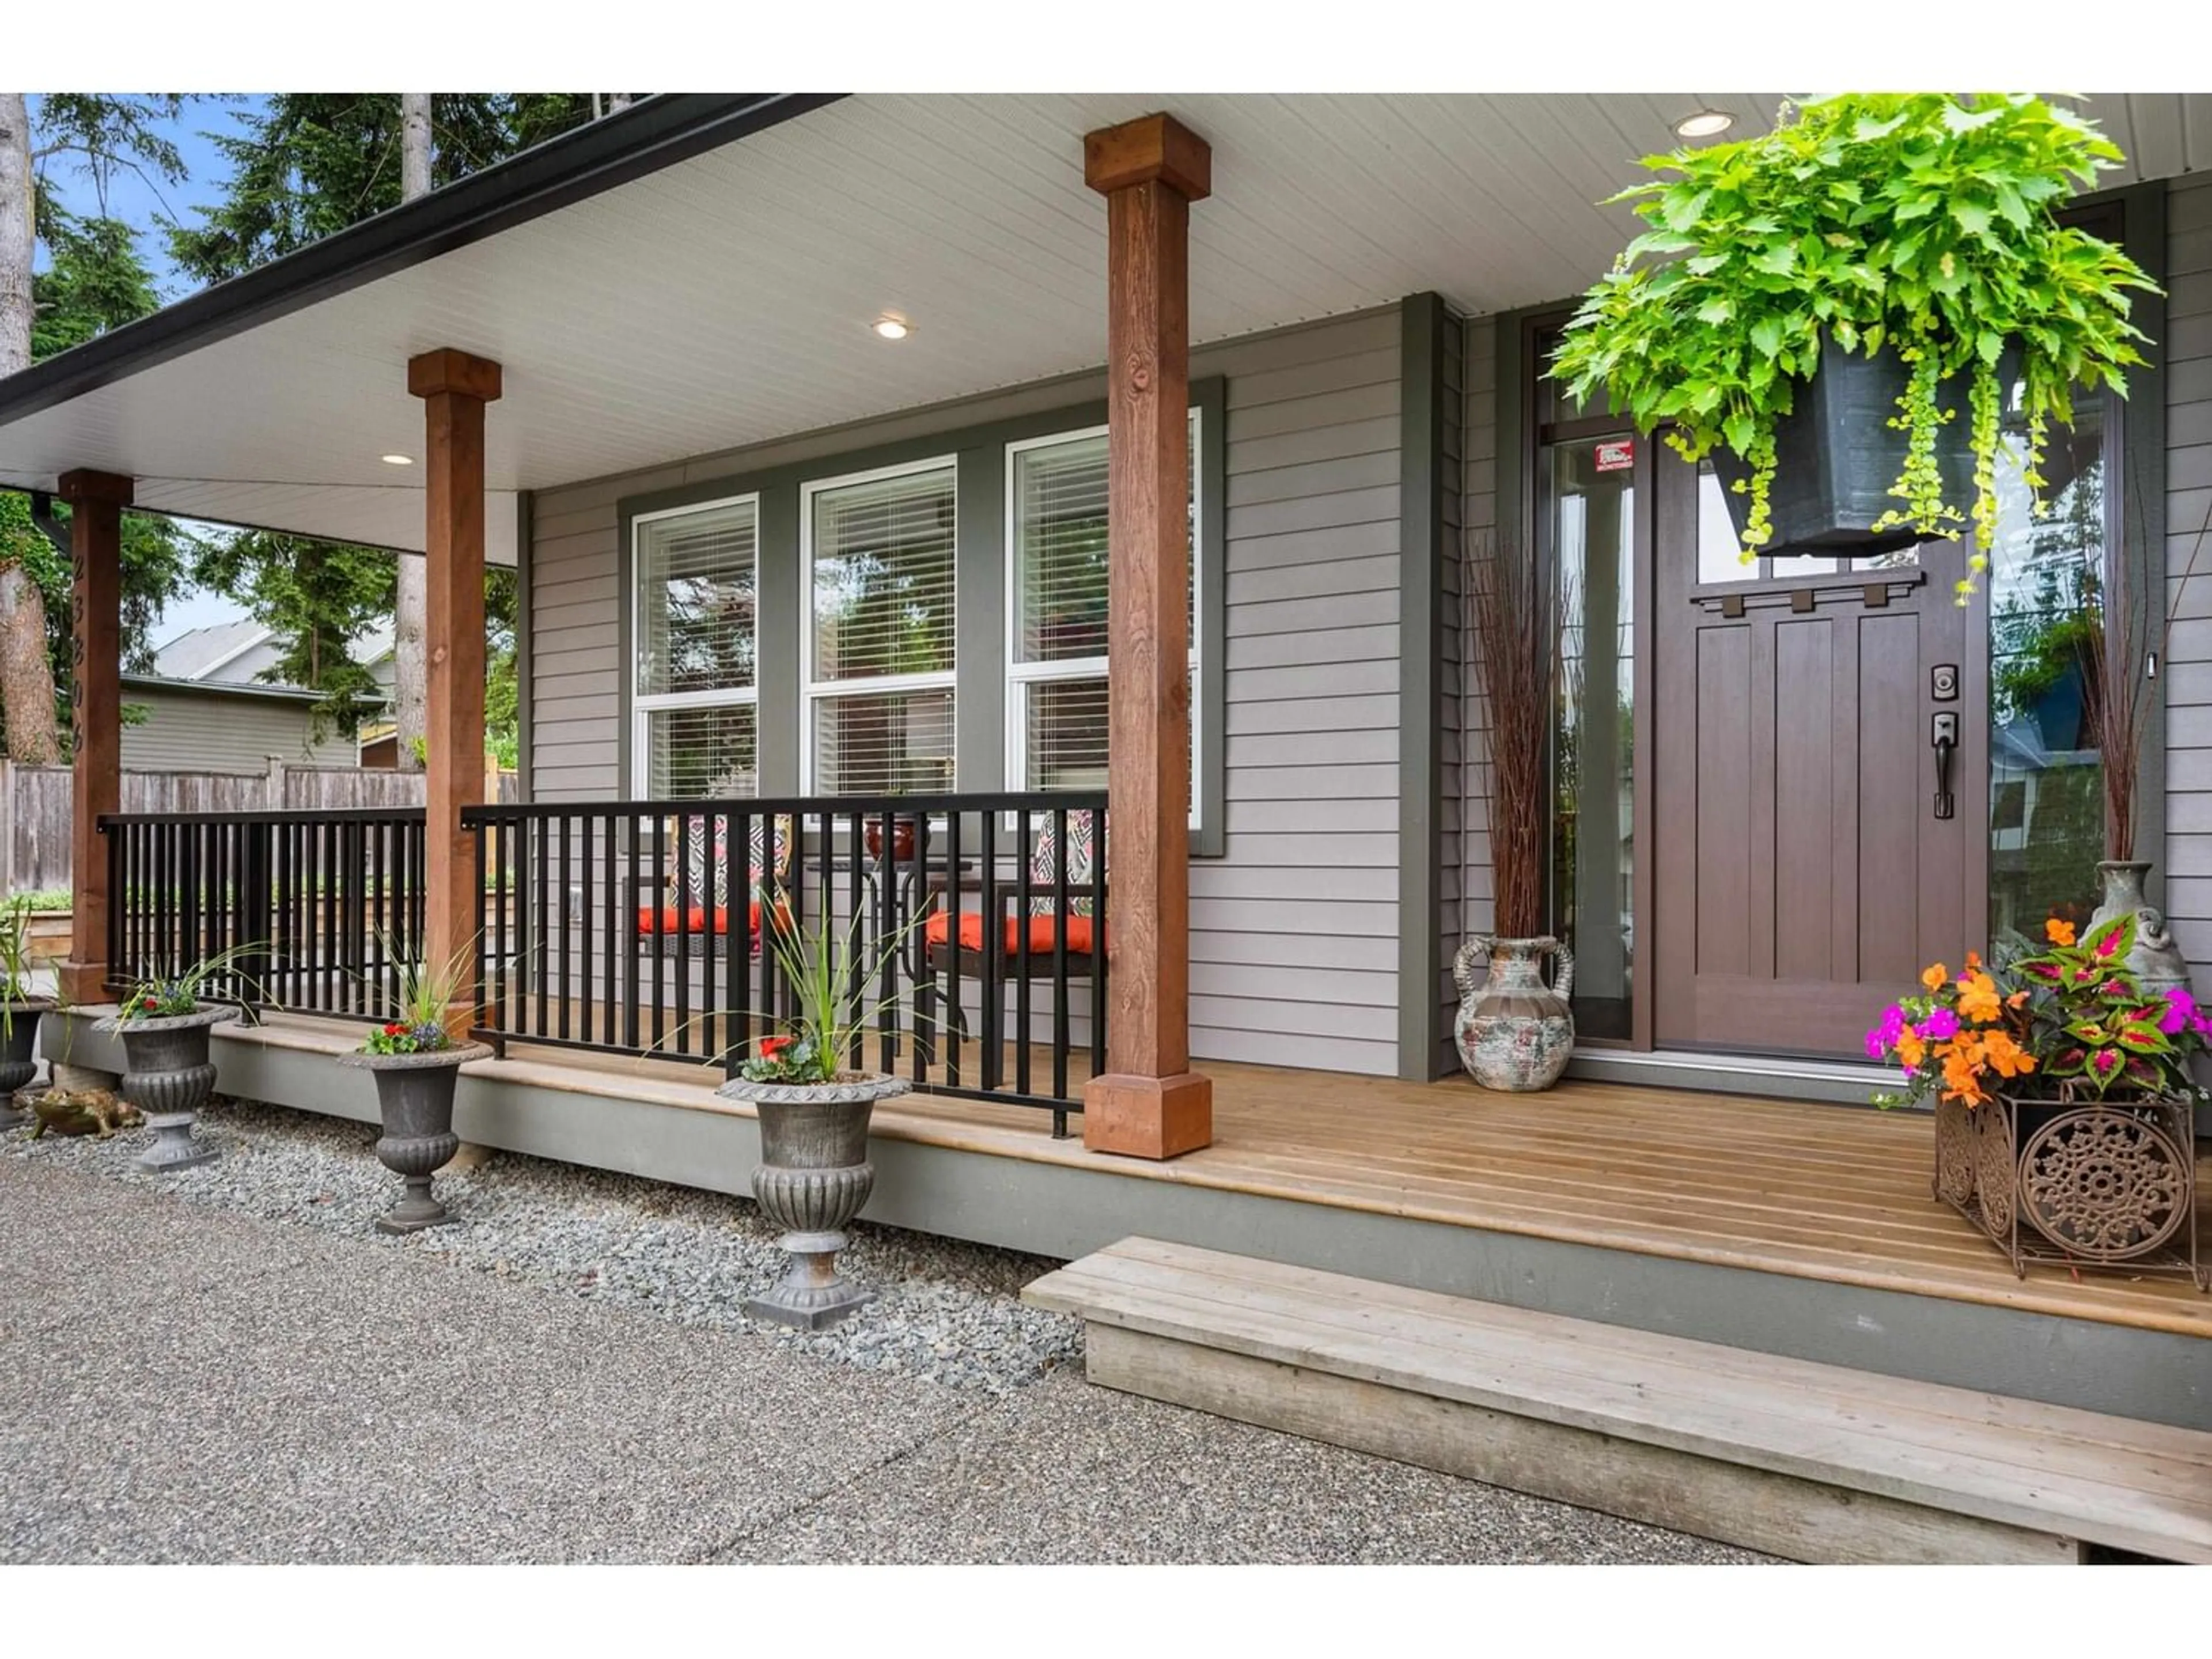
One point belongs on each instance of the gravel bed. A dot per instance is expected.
(945, 1311)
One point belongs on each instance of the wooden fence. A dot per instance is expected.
(34, 805)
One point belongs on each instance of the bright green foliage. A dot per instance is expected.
(313, 163)
(830, 975)
(93, 280)
(426, 991)
(165, 996)
(1924, 222)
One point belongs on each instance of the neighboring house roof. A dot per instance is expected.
(298, 694)
(233, 655)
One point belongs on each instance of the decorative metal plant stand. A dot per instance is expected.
(2085, 1184)
(415, 1098)
(16, 1066)
(168, 1078)
(814, 1175)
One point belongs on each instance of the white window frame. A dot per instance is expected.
(645, 704)
(813, 693)
(1020, 676)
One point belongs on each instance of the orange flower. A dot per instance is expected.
(1978, 1000)
(2058, 931)
(1911, 1051)
(2006, 1057)
(1935, 976)
(1959, 1080)
(1973, 960)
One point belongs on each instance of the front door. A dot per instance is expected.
(1819, 771)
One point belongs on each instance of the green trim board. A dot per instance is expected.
(979, 452)
(1422, 415)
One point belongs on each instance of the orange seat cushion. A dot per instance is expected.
(938, 929)
(664, 919)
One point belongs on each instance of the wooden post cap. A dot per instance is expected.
(1151, 147)
(82, 484)
(448, 370)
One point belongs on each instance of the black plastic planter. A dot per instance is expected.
(168, 1076)
(1836, 456)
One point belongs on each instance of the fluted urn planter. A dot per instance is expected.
(814, 1175)
(1514, 1032)
(19, 1035)
(167, 1076)
(415, 1096)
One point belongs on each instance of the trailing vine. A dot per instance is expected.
(1924, 222)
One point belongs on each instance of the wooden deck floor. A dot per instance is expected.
(1812, 1191)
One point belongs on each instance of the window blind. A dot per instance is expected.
(1059, 517)
(696, 576)
(702, 753)
(882, 577)
(890, 742)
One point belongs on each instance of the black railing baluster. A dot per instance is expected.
(566, 920)
(950, 1015)
(1060, 925)
(994, 1055)
(1022, 908)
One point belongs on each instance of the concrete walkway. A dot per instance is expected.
(188, 1385)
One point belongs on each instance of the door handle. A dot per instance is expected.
(1943, 735)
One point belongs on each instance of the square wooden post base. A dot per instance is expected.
(82, 983)
(1154, 1117)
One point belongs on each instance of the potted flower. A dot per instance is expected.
(2063, 1099)
(164, 1022)
(1514, 1031)
(20, 1008)
(814, 1109)
(416, 1062)
(1837, 310)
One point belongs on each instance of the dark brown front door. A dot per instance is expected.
(1805, 868)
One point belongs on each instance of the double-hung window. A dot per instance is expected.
(694, 641)
(879, 551)
(1056, 600)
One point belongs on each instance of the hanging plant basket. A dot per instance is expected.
(1837, 455)
(1850, 308)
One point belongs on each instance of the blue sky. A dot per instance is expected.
(137, 201)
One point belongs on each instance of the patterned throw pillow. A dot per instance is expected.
(1082, 849)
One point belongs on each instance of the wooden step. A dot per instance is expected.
(1810, 1462)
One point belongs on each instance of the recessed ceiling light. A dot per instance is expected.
(397, 460)
(892, 328)
(1704, 123)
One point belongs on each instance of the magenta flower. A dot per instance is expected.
(2180, 1011)
(1940, 1026)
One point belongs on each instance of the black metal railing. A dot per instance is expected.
(646, 929)
(313, 911)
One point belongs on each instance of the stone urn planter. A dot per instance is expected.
(414, 1095)
(19, 1035)
(2156, 962)
(814, 1175)
(167, 1076)
(1514, 1032)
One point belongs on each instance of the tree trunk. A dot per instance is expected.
(15, 233)
(27, 680)
(410, 668)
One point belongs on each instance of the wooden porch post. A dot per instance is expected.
(96, 502)
(455, 387)
(1149, 1104)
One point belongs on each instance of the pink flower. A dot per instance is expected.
(1940, 1026)
(2180, 1011)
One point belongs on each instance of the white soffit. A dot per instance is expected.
(727, 299)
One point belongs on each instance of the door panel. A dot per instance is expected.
(1804, 876)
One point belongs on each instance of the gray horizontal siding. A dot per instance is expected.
(1479, 505)
(200, 732)
(1293, 930)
